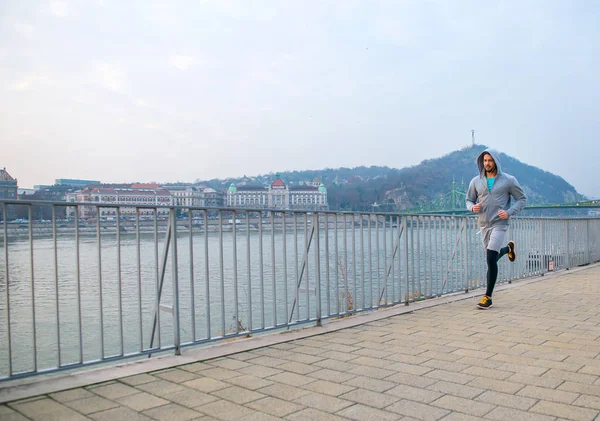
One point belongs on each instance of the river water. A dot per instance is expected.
(258, 271)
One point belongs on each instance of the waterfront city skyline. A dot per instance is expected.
(186, 90)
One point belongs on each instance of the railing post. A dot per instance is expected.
(176, 331)
(315, 224)
(541, 246)
(466, 252)
(405, 252)
(568, 236)
(587, 242)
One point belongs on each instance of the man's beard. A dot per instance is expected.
(491, 170)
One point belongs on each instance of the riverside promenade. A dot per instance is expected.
(535, 355)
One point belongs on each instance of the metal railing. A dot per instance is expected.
(77, 291)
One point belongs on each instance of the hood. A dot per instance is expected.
(494, 153)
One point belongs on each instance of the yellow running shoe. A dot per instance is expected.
(485, 303)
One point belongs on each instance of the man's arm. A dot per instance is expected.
(471, 197)
(520, 200)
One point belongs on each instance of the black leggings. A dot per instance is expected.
(492, 274)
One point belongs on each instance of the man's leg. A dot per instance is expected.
(492, 272)
(502, 252)
(493, 241)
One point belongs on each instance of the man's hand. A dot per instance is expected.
(477, 208)
(503, 214)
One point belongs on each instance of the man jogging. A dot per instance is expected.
(489, 196)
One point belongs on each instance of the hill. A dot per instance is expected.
(392, 189)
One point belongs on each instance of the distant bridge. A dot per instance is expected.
(453, 203)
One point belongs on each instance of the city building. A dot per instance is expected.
(185, 195)
(75, 182)
(135, 194)
(188, 195)
(8, 185)
(278, 195)
(56, 193)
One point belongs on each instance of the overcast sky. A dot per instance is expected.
(123, 91)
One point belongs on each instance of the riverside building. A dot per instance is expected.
(278, 195)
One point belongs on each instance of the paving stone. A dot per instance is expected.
(323, 402)
(372, 362)
(266, 361)
(525, 379)
(311, 414)
(303, 358)
(366, 413)
(552, 395)
(259, 371)
(256, 416)
(225, 410)
(580, 388)
(466, 406)
(114, 390)
(337, 355)
(331, 375)
(374, 353)
(497, 385)
(335, 365)
(503, 414)
(370, 384)
(454, 389)
(190, 398)
(291, 379)
(142, 401)
(229, 363)
(160, 388)
(238, 394)
(172, 412)
(504, 399)
(414, 393)
(565, 411)
(71, 395)
(524, 369)
(196, 367)
(445, 365)
(275, 407)
(46, 409)
(249, 382)
(487, 373)
(411, 380)
(443, 356)
(298, 368)
(417, 410)
(138, 379)
(283, 391)
(450, 376)
(7, 414)
(457, 416)
(90, 405)
(205, 384)
(219, 373)
(376, 373)
(327, 388)
(370, 398)
(177, 376)
(568, 375)
(588, 401)
(35, 407)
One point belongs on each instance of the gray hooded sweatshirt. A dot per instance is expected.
(499, 198)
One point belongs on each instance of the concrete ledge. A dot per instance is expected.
(24, 388)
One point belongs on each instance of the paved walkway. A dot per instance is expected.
(534, 356)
